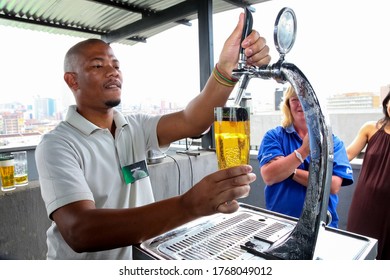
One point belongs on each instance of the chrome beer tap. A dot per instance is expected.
(244, 73)
(284, 35)
(301, 242)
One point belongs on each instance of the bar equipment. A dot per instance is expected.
(254, 233)
(243, 73)
(301, 242)
(240, 235)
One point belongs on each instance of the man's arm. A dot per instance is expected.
(88, 229)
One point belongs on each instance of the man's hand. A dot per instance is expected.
(218, 191)
(255, 46)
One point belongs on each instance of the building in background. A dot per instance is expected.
(12, 118)
(354, 100)
(44, 108)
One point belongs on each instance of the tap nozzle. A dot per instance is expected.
(242, 61)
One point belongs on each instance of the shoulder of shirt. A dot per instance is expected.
(140, 117)
(276, 129)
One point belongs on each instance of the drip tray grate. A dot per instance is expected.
(228, 237)
(221, 238)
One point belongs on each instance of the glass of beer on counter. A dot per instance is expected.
(7, 172)
(232, 136)
(20, 168)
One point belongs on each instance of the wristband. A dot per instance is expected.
(221, 79)
(299, 156)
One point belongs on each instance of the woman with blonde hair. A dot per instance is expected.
(284, 162)
(287, 118)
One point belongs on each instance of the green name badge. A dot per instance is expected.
(135, 171)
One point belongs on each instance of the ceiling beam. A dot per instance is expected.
(172, 14)
(145, 12)
(126, 6)
(51, 24)
(241, 4)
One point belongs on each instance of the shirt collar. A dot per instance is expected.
(119, 119)
(86, 127)
(290, 128)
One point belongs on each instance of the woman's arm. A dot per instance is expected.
(280, 168)
(361, 140)
(302, 177)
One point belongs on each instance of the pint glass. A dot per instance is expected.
(20, 172)
(7, 172)
(232, 136)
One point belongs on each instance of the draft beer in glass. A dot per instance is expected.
(232, 136)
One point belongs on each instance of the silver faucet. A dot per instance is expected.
(301, 242)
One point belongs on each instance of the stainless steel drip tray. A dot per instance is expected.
(222, 236)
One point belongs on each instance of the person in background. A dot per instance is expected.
(97, 205)
(369, 213)
(284, 163)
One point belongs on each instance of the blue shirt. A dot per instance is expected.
(287, 197)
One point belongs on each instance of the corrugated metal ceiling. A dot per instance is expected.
(120, 21)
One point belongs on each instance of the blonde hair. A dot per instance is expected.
(287, 118)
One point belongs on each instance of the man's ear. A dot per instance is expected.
(71, 80)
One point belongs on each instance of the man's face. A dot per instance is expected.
(99, 79)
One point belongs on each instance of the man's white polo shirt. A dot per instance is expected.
(80, 161)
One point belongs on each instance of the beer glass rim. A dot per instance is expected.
(234, 113)
(6, 157)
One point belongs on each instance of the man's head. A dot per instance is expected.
(92, 73)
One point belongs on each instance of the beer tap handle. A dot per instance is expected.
(241, 71)
(245, 32)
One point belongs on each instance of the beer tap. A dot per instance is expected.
(244, 73)
(301, 242)
(284, 34)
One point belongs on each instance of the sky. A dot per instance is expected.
(341, 46)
